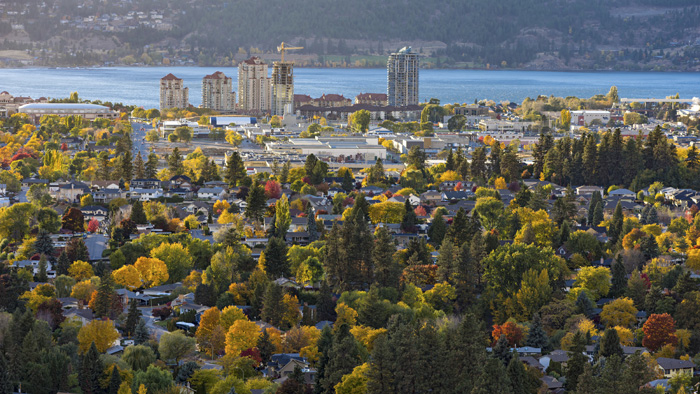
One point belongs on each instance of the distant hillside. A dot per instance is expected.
(540, 34)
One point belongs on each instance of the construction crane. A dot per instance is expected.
(283, 48)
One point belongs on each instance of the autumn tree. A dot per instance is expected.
(210, 335)
(153, 272)
(659, 330)
(619, 312)
(242, 335)
(100, 332)
(73, 220)
(176, 258)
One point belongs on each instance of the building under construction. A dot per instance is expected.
(282, 87)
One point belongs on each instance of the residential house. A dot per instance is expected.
(671, 367)
(32, 181)
(431, 196)
(146, 194)
(105, 196)
(623, 194)
(456, 195)
(298, 238)
(71, 191)
(588, 190)
(96, 212)
(559, 356)
(178, 192)
(211, 193)
(148, 183)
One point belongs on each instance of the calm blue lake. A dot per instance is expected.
(140, 85)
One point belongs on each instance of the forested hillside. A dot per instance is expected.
(594, 34)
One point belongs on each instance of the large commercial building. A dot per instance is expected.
(87, 111)
(254, 86)
(217, 92)
(173, 93)
(282, 88)
(402, 78)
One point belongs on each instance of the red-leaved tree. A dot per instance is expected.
(659, 330)
(273, 189)
(513, 333)
(93, 225)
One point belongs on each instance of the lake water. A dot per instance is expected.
(139, 86)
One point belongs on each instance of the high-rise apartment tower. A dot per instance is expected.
(254, 90)
(402, 78)
(217, 92)
(173, 93)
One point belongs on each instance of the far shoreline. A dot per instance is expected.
(588, 71)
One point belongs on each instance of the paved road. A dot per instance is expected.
(139, 139)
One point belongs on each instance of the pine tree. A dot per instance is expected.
(386, 269)
(62, 264)
(348, 182)
(284, 174)
(610, 344)
(235, 170)
(615, 231)
(6, 386)
(564, 232)
(141, 334)
(175, 166)
(325, 342)
(437, 229)
(132, 318)
(272, 305)
(311, 224)
(104, 297)
(256, 203)
(276, 264)
(343, 357)
(502, 350)
(151, 168)
(517, 375)
(493, 380)
(43, 243)
(653, 217)
(450, 162)
(90, 371)
(409, 220)
(265, 347)
(584, 304)
(138, 216)
(325, 307)
(619, 278)
(597, 214)
(127, 169)
(537, 336)
(42, 276)
(114, 382)
(447, 261)
(577, 361)
(139, 167)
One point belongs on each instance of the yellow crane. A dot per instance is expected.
(283, 48)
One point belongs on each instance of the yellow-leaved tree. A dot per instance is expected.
(153, 272)
(242, 335)
(102, 332)
(127, 276)
(80, 270)
(345, 315)
(210, 335)
(230, 315)
(619, 312)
